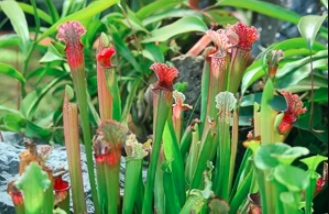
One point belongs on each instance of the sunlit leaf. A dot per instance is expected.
(325, 3)
(52, 55)
(184, 25)
(156, 6)
(309, 27)
(18, 21)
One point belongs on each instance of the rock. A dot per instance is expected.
(190, 71)
(9, 167)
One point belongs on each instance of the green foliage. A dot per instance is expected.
(144, 32)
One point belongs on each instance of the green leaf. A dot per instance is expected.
(12, 72)
(313, 162)
(156, 6)
(9, 40)
(155, 52)
(6, 110)
(84, 14)
(295, 179)
(325, 3)
(264, 8)
(52, 55)
(295, 77)
(293, 66)
(32, 100)
(34, 182)
(289, 156)
(134, 22)
(123, 49)
(321, 95)
(291, 49)
(170, 13)
(264, 156)
(184, 25)
(309, 27)
(29, 10)
(14, 122)
(18, 21)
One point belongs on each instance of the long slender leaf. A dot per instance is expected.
(32, 100)
(263, 8)
(18, 21)
(29, 10)
(155, 6)
(184, 25)
(12, 72)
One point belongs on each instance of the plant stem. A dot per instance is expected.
(170, 191)
(79, 80)
(133, 171)
(234, 147)
(171, 151)
(48, 204)
(204, 95)
(101, 184)
(112, 84)
(244, 167)
(192, 158)
(223, 160)
(241, 194)
(162, 105)
(186, 141)
(203, 160)
(104, 95)
(159, 192)
(113, 187)
(72, 139)
(268, 137)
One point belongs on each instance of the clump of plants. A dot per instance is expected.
(191, 170)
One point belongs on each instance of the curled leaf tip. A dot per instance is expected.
(226, 102)
(166, 76)
(16, 195)
(179, 101)
(294, 110)
(247, 35)
(104, 57)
